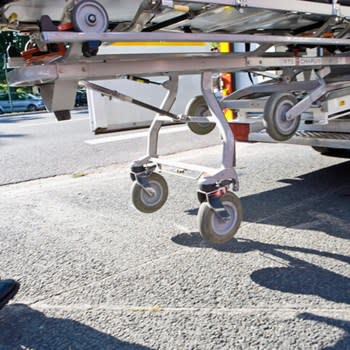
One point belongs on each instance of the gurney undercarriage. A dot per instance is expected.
(301, 46)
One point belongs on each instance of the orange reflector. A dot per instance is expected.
(65, 26)
(240, 130)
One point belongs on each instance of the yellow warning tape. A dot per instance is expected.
(157, 43)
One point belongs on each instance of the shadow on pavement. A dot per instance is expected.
(11, 119)
(9, 136)
(320, 198)
(343, 343)
(297, 277)
(24, 328)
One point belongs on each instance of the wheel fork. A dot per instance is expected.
(214, 201)
(140, 175)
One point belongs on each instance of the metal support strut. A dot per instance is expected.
(213, 185)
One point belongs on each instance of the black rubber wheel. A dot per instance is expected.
(145, 202)
(277, 125)
(31, 108)
(198, 107)
(89, 16)
(215, 230)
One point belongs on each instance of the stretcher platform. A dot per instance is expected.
(301, 49)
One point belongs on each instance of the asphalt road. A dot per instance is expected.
(97, 274)
(36, 146)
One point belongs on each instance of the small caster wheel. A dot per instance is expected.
(89, 16)
(198, 107)
(278, 126)
(150, 202)
(214, 229)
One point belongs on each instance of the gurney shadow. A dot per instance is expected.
(4, 137)
(24, 328)
(314, 201)
(317, 200)
(10, 136)
(344, 325)
(12, 119)
(296, 275)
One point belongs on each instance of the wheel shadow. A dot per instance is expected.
(24, 328)
(317, 200)
(297, 276)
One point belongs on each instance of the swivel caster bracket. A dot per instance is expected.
(141, 177)
(215, 203)
(142, 180)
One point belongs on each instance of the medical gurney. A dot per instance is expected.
(304, 43)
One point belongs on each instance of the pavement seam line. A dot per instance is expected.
(219, 310)
(183, 250)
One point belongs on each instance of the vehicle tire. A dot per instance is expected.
(198, 107)
(32, 108)
(215, 230)
(277, 125)
(145, 202)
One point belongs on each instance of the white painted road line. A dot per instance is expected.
(134, 135)
(51, 122)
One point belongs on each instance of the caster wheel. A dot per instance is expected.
(146, 202)
(198, 107)
(214, 229)
(276, 107)
(89, 16)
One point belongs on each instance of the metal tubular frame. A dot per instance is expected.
(74, 67)
(54, 37)
(215, 176)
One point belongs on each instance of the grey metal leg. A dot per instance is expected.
(168, 101)
(227, 171)
(153, 134)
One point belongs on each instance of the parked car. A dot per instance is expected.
(20, 102)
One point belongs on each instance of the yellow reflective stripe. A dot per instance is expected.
(156, 43)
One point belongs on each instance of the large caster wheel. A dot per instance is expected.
(212, 227)
(198, 107)
(150, 202)
(278, 126)
(89, 16)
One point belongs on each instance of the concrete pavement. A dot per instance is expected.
(97, 274)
